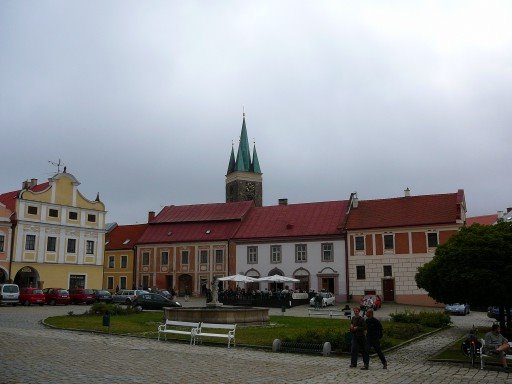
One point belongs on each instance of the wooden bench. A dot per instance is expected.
(229, 331)
(179, 328)
(483, 355)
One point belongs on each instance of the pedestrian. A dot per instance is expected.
(373, 335)
(358, 328)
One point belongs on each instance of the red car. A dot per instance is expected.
(55, 296)
(30, 296)
(82, 295)
(373, 301)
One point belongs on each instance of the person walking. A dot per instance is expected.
(358, 327)
(373, 335)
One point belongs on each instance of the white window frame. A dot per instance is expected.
(387, 235)
(47, 244)
(429, 233)
(110, 282)
(162, 257)
(327, 254)
(185, 256)
(2, 242)
(206, 254)
(89, 247)
(111, 262)
(219, 256)
(252, 254)
(301, 253)
(361, 250)
(68, 243)
(125, 259)
(31, 243)
(122, 282)
(276, 254)
(145, 258)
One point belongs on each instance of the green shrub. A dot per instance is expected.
(432, 319)
(339, 339)
(113, 309)
(402, 331)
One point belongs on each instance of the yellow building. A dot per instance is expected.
(119, 264)
(59, 235)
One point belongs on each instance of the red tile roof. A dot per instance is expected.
(9, 198)
(124, 236)
(484, 220)
(183, 232)
(203, 212)
(406, 211)
(294, 220)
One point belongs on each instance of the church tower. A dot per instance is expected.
(244, 177)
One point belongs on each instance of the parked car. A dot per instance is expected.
(30, 296)
(55, 296)
(371, 301)
(103, 296)
(457, 309)
(126, 296)
(82, 295)
(327, 299)
(153, 301)
(494, 312)
(9, 294)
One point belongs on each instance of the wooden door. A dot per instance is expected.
(388, 289)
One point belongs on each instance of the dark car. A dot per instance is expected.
(103, 296)
(30, 296)
(494, 312)
(82, 295)
(153, 301)
(55, 296)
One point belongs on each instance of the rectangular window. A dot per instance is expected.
(360, 272)
(51, 244)
(388, 271)
(252, 255)
(301, 253)
(219, 256)
(122, 282)
(203, 256)
(359, 243)
(31, 210)
(30, 242)
(89, 247)
(71, 246)
(275, 254)
(110, 282)
(145, 258)
(2, 242)
(91, 218)
(327, 252)
(111, 262)
(184, 257)
(72, 215)
(53, 213)
(165, 258)
(432, 239)
(389, 243)
(124, 261)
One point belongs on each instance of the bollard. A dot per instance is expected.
(106, 321)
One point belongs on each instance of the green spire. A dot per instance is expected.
(243, 148)
(231, 165)
(255, 165)
(239, 166)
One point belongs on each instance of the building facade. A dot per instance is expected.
(58, 234)
(303, 241)
(5, 243)
(119, 261)
(389, 239)
(186, 247)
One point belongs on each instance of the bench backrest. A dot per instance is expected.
(218, 326)
(181, 324)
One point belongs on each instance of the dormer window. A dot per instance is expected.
(91, 218)
(126, 241)
(32, 210)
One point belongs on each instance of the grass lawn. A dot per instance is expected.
(287, 328)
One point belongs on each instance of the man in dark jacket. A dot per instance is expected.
(373, 336)
(358, 327)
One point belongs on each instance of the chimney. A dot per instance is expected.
(355, 200)
(151, 215)
(33, 182)
(25, 184)
(283, 201)
(407, 192)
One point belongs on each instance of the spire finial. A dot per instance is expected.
(243, 110)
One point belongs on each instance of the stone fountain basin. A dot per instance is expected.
(220, 315)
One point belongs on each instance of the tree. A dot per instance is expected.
(474, 266)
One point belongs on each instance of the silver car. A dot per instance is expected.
(126, 296)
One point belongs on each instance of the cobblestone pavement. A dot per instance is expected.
(31, 353)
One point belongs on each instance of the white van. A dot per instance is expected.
(9, 294)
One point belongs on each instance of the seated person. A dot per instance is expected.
(496, 344)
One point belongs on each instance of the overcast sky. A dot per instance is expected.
(142, 99)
